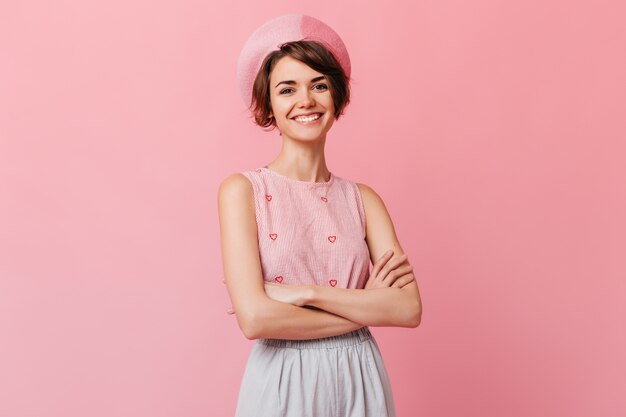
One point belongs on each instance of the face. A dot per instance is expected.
(297, 89)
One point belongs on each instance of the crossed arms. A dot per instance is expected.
(266, 310)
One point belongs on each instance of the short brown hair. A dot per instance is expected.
(311, 53)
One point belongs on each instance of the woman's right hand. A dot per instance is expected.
(393, 273)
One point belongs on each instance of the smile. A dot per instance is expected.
(306, 120)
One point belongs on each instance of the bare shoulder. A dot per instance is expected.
(380, 233)
(235, 185)
(372, 201)
(235, 198)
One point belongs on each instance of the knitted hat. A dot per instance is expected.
(273, 33)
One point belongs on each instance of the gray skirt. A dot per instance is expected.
(337, 376)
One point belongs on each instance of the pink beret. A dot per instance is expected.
(287, 28)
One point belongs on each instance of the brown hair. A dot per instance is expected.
(311, 53)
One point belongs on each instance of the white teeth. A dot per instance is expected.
(308, 118)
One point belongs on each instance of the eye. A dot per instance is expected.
(287, 90)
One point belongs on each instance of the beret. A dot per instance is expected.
(272, 34)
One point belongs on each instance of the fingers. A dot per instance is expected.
(397, 273)
(381, 262)
(403, 280)
(391, 266)
(390, 272)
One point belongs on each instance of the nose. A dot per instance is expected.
(306, 99)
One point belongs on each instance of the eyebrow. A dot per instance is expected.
(291, 82)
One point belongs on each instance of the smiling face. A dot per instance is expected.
(297, 89)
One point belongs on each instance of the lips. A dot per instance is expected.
(312, 120)
(307, 114)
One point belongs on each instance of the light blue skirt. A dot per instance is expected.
(337, 376)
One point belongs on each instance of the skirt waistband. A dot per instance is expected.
(347, 339)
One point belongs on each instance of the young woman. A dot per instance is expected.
(297, 242)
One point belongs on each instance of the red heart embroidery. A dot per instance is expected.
(273, 236)
(268, 197)
(332, 238)
(324, 199)
(279, 278)
(258, 170)
(333, 282)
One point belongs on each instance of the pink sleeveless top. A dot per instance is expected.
(310, 233)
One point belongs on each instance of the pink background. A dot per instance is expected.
(494, 131)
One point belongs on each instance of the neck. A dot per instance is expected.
(302, 159)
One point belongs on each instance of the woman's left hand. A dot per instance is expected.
(290, 294)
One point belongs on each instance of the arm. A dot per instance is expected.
(374, 307)
(380, 306)
(259, 316)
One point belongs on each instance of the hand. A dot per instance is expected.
(395, 274)
(290, 294)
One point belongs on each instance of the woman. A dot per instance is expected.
(297, 242)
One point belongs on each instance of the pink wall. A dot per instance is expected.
(493, 130)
